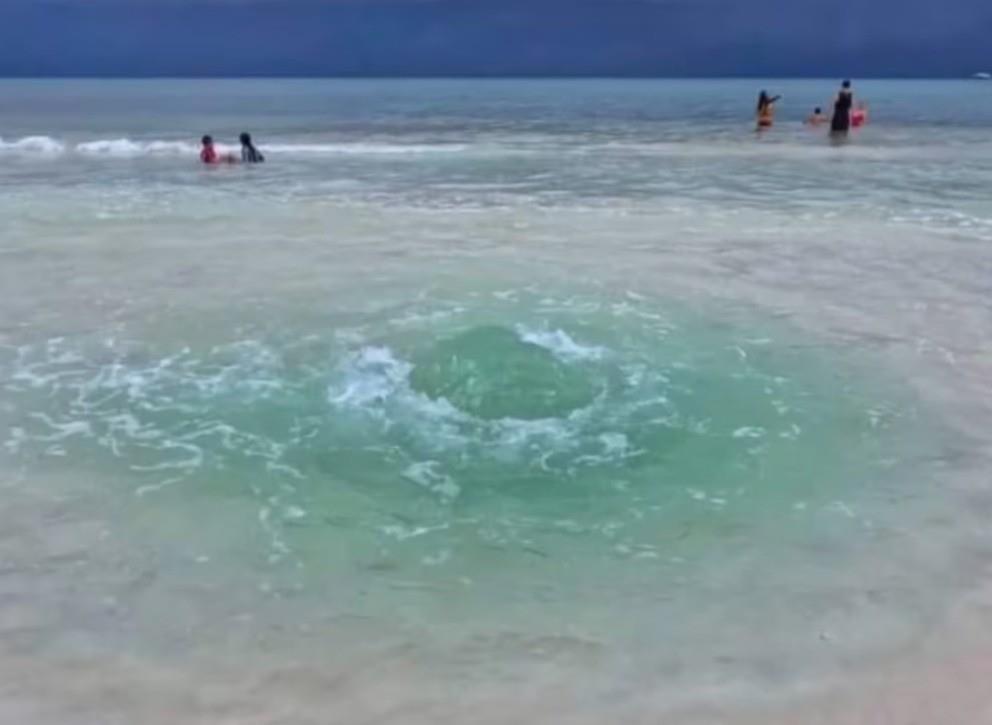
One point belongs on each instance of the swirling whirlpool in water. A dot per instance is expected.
(449, 436)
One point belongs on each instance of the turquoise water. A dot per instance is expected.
(576, 384)
(506, 435)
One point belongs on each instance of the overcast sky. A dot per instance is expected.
(496, 37)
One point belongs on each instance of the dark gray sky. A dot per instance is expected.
(496, 37)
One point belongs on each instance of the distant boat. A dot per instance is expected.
(982, 76)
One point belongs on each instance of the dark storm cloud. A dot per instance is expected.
(486, 37)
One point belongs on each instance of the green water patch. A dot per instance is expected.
(500, 429)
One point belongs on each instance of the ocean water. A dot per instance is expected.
(551, 401)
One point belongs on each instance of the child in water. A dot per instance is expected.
(816, 118)
(209, 155)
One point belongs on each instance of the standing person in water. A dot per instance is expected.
(841, 122)
(209, 155)
(250, 154)
(766, 110)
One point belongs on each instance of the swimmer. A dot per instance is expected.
(766, 110)
(816, 118)
(250, 154)
(859, 116)
(209, 155)
(841, 122)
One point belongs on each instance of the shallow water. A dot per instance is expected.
(524, 391)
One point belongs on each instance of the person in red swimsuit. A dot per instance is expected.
(209, 155)
(859, 116)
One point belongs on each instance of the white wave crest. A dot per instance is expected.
(38, 145)
(359, 148)
(126, 148)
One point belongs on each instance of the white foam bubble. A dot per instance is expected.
(190, 463)
(614, 443)
(294, 513)
(370, 376)
(61, 431)
(427, 475)
(402, 533)
(561, 344)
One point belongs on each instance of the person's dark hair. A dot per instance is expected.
(246, 139)
(845, 84)
(817, 110)
(762, 100)
(207, 140)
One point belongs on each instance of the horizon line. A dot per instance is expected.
(487, 77)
